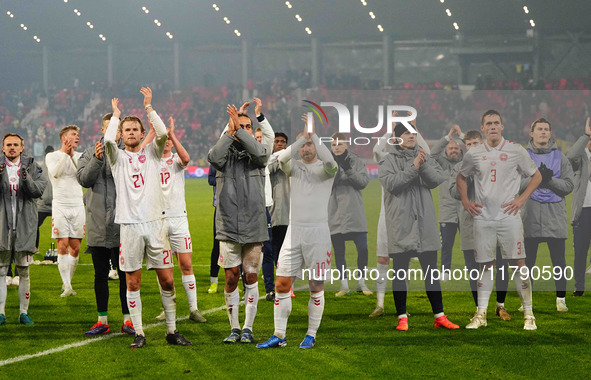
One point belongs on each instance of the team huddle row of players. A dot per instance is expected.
(135, 211)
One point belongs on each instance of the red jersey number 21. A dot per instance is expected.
(138, 180)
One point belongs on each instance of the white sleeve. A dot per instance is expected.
(423, 144)
(161, 135)
(379, 150)
(285, 155)
(110, 143)
(468, 166)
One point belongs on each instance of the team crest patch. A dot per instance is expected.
(169, 162)
(504, 157)
(142, 158)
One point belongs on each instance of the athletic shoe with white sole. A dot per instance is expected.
(98, 328)
(273, 342)
(529, 322)
(378, 312)
(365, 290)
(478, 320)
(521, 309)
(343, 293)
(161, 316)
(113, 275)
(197, 316)
(68, 292)
(561, 305)
(308, 342)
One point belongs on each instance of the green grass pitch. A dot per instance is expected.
(349, 344)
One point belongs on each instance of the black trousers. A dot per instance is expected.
(214, 268)
(557, 255)
(338, 243)
(101, 258)
(428, 261)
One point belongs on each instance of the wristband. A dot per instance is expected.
(261, 117)
(148, 106)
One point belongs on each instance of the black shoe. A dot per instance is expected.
(271, 296)
(578, 293)
(177, 339)
(138, 342)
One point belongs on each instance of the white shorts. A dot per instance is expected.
(382, 244)
(68, 222)
(178, 234)
(305, 247)
(144, 240)
(507, 233)
(250, 255)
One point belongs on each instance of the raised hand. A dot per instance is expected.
(258, 106)
(172, 128)
(455, 129)
(244, 107)
(308, 134)
(233, 123)
(69, 149)
(147, 92)
(98, 150)
(419, 159)
(115, 106)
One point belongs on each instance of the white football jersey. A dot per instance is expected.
(497, 175)
(62, 169)
(172, 180)
(14, 172)
(137, 175)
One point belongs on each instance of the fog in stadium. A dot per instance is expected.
(227, 174)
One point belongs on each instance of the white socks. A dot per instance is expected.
(381, 283)
(523, 286)
(63, 264)
(281, 311)
(315, 310)
(232, 301)
(24, 288)
(213, 280)
(73, 262)
(485, 287)
(344, 284)
(190, 290)
(251, 298)
(134, 303)
(3, 290)
(169, 305)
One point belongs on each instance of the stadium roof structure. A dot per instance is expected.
(126, 22)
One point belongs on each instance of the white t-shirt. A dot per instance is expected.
(13, 171)
(62, 168)
(587, 201)
(497, 175)
(172, 180)
(137, 175)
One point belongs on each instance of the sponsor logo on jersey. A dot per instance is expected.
(163, 170)
(483, 158)
(142, 158)
(12, 179)
(493, 163)
(503, 157)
